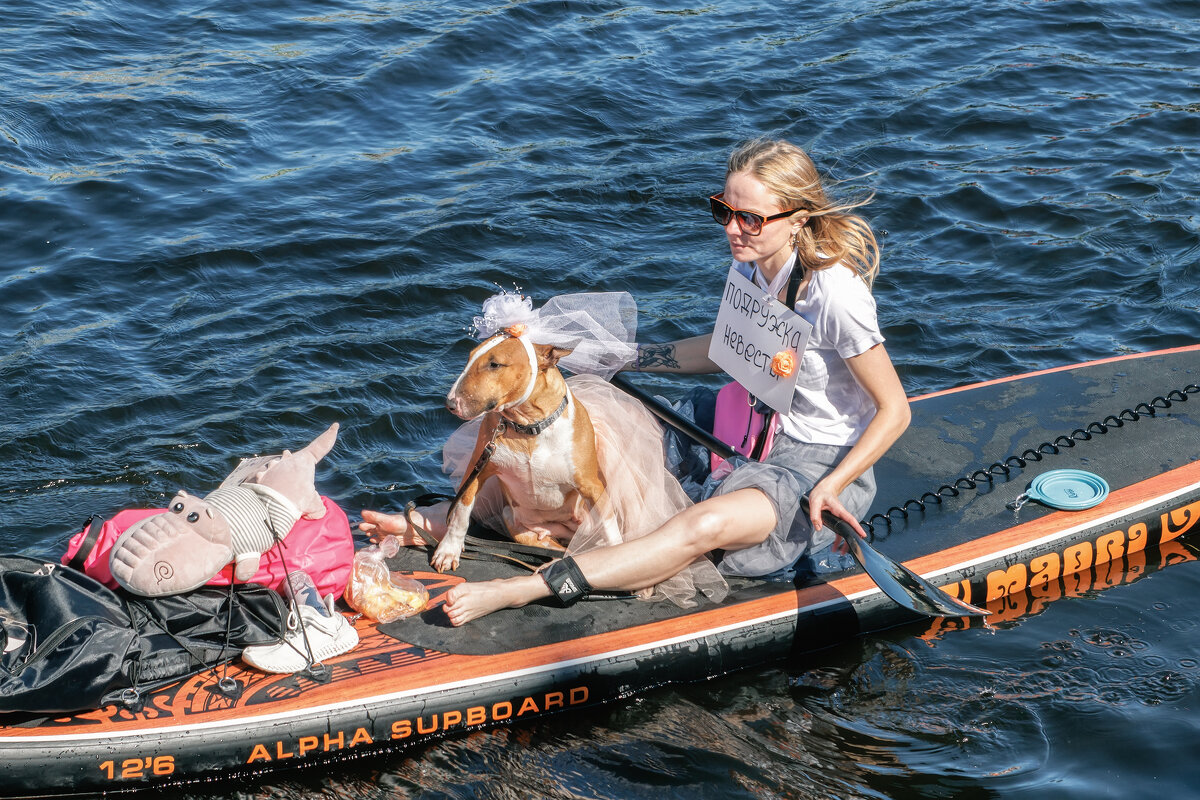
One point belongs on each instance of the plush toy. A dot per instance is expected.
(185, 546)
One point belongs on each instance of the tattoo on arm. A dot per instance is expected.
(657, 355)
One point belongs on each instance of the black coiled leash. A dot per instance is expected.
(1033, 454)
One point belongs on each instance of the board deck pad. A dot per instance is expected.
(954, 434)
(537, 623)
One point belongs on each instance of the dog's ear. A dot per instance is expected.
(548, 355)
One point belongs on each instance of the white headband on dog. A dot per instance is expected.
(533, 366)
(599, 328)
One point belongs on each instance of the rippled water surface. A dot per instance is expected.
(223, 227)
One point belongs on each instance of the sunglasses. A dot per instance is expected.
(750, 223)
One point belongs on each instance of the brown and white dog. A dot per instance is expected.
(545, 448)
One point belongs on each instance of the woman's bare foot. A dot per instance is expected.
(469, 601)
(377, 525)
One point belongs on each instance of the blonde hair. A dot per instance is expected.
(832, 234)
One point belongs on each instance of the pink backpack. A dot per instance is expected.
(739, 425)
(324, 548)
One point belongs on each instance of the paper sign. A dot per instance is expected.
(752, 329)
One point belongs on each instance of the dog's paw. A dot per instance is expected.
(445, 559)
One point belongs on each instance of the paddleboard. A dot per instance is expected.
(948, 508)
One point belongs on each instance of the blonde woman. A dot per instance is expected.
(848, 409)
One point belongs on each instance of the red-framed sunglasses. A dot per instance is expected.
(750, 223)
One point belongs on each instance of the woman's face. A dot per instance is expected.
(744, 191)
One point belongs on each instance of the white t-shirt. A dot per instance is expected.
(830, 407)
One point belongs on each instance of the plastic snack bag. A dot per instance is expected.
(378, 593)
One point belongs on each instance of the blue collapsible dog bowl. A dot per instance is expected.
(1068, 489)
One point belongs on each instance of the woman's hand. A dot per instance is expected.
(824, 497)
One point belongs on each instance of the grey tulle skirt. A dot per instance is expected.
(789, 472)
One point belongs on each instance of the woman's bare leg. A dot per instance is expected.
(728, 522)
(420, 527)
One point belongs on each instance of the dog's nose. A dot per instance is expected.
(455, 405)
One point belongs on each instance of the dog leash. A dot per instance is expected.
(486, 549)
(489, 449)
(552, 561)
(478, 549)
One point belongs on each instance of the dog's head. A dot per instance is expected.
(501, 372)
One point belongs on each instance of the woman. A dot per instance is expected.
(848, 409)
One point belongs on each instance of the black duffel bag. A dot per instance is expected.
(70, 643)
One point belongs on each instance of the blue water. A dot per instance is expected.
(224, 226)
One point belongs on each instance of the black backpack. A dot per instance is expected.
(70, 643)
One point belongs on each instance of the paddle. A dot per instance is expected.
(897, 581)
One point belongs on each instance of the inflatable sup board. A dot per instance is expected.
(957, 503)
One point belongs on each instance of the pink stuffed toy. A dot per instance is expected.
(182, 548)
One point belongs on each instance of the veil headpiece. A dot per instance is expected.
(599, 328)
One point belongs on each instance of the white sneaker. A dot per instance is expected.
(329, 634)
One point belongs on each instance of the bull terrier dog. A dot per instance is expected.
(541, 443)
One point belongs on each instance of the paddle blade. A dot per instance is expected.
(899, 582)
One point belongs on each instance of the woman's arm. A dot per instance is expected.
(688, 356)
(874, 372)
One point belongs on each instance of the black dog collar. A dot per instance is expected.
(538, 427)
